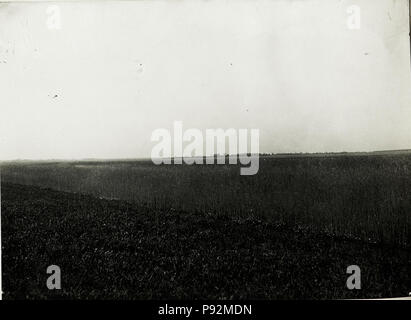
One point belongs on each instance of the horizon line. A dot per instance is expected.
(218, 155)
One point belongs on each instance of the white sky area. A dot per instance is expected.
(115, 71)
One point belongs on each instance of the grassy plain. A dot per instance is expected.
(134, 230)
(111, 249)
(359, 196)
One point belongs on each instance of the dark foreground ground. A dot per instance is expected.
(111, 249)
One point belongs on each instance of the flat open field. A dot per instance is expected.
(130, 229)
(110, 249)
(358, 196)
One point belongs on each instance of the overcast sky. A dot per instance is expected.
(115, 71)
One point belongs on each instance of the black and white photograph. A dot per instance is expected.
(205, 150)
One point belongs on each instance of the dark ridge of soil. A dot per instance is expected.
(110, 249)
